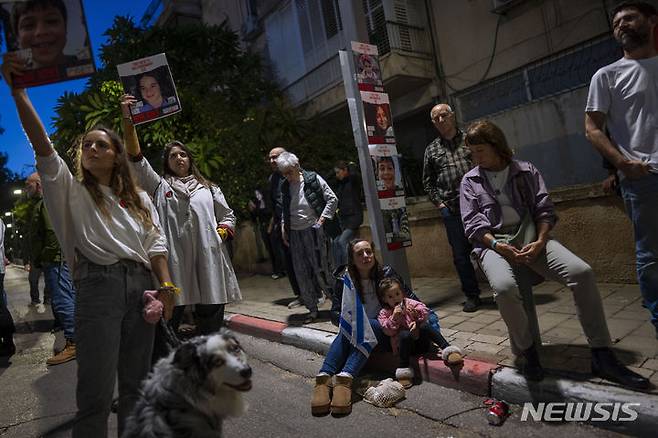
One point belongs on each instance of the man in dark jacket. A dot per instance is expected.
(350, 211)
(281, 258)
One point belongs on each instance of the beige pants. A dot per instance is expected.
(555, 263)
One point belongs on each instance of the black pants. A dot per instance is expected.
(410, 346)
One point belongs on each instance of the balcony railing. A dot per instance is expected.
(401, 37)
(313, 83)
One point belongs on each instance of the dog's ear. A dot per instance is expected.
(185, 355)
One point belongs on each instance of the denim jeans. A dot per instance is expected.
(344, 357)
(461, 253)
(641, 200)
(112, 338)
(340, 246)
(58, 280)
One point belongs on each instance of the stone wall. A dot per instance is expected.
(593, 226)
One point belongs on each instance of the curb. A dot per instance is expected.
(473, 376)
(478, 377)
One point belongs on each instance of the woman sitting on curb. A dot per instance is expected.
(355, 300)
(405, 321)
(508, 216)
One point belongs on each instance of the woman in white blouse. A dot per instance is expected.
(197, 221)
(109, 232)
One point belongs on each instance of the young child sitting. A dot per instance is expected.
(405, 321)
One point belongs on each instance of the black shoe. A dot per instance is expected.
(472, 304)
(606, 365)
(532, 368)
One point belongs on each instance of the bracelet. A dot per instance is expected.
(493, 244)
(169, 285)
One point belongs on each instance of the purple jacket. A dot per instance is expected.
(481, 212)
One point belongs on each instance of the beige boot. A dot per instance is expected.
(67, 354)
(341, 402)
(321, 400)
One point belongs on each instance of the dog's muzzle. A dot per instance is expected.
(245, 373)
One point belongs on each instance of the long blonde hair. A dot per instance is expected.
(122, 181)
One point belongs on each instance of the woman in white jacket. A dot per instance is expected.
(197, 221)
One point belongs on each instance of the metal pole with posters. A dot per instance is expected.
(392, 254)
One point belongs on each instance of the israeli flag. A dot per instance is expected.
(354, 323)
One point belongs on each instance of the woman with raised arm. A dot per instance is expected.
(197, 222)
(109, 232)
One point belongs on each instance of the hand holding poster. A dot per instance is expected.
(149, 80)
(51, 37)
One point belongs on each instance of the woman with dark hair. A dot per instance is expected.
(197, 222)
(383, 126)
(110, 236)
(355, 300)
(508, 216)
(151, 91)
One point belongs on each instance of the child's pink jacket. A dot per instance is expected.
(413, 311)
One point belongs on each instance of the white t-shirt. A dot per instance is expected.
(627, 92)
(498, 181)
(79, 224)
(302, 215)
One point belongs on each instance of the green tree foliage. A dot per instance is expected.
(231, 114)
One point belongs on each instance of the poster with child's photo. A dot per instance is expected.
(149, 80)
(51, 37)
(388, 172)
(379, 123)
(368, 70)
(396, 223)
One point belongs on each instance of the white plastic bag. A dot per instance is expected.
(386, 394)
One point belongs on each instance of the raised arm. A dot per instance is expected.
(146, 176)
(30, 120)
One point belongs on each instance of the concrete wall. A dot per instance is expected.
(593, 226)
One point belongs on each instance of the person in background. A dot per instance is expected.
(309, 206)
(282, 260)
(350, 211)
(46, 254)
(446, 161)
(7, 328)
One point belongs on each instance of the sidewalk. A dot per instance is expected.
(483, 334)
(489, 365)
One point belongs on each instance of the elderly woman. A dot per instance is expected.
(508, 215)
(309, 205)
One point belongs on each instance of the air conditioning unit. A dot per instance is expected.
(251, 27)
(503, 6)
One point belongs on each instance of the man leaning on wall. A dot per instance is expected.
(446, 161)
(623, 97)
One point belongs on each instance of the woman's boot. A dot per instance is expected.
(321, 400)
(341, 402)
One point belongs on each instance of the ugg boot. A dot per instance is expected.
(452, 355)
(405, 376)
(321, 400)
(341, 402)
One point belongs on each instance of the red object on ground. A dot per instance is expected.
(498, 412)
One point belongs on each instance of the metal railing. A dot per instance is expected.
(401, 37)
(313, 83)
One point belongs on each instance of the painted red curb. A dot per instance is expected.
(473, 376)
(262, 328)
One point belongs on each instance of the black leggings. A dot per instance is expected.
(410, 346)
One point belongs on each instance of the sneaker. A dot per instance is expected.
(295, 303)
(322, 299)
(472, 304)
(276, 276)
(67, 354)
